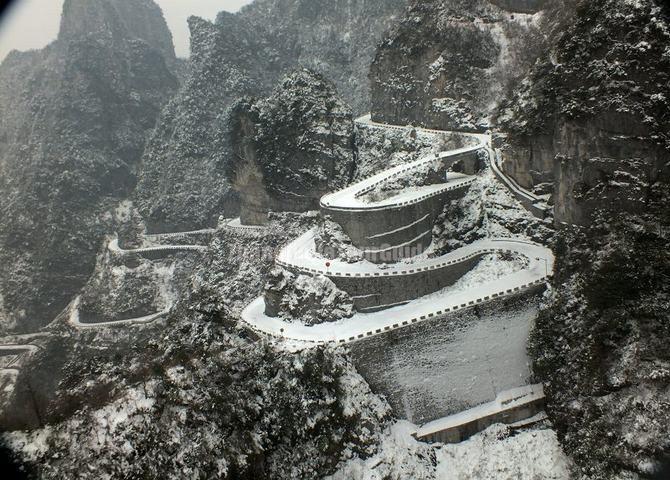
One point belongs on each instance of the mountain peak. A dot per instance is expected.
(117, 19)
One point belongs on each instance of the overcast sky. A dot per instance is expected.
(30, 24)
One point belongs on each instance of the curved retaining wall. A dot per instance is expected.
(74, 318)
(387, 232)
(394, 233)
(253, 312)
(154, 253)
(380, 289)
(373, 292)
(206, 234)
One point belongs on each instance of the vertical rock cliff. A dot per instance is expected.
(73, 124)
(448, 63)
(291, 148)
(337, 38)
(593, 117)
(594, 114)
(183, 182)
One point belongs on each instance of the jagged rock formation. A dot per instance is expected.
(73, 123)
(310, 300)
(119, 20)
(336, 38)
(593, 114)
(120, 290)
(448, 62)
(291, 148)
(183, 184)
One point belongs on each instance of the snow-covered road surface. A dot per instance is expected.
(363, 325)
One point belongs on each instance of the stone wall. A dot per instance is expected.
(376, 293)
(520, 6)
(437, 368)
(403, 226)
(387, 234)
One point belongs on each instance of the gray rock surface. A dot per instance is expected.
(74, 119)
(183, 183)
(448, 63)
(291, 148)
(593, 112)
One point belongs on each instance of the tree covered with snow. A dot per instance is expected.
(602, 345)
(291, 147)
(217, 405)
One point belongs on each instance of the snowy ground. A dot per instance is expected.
(491, 455)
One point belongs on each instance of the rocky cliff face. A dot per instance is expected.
(73, 122)
(602, 345)
(593, 116)
(593, 113)
(336, 38)
(291, 148)
(117, 21)
(448, 62)
(183, 183)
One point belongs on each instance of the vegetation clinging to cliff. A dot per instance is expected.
(612, 58)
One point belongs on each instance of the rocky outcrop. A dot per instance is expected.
(448, 63)
(140, 19)
(183, 184)
(593, 113)
(291, 148)
(73, 121)
(126, 289)
(337, 38)
(305, 299)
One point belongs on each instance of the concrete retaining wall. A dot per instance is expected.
(390, 234)
(155, 253)
(453, 362)
(404, 225)
(468, 429)
(372, 292)
(377, 293)
(201, 236)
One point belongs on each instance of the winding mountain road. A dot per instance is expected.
(392, 280)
